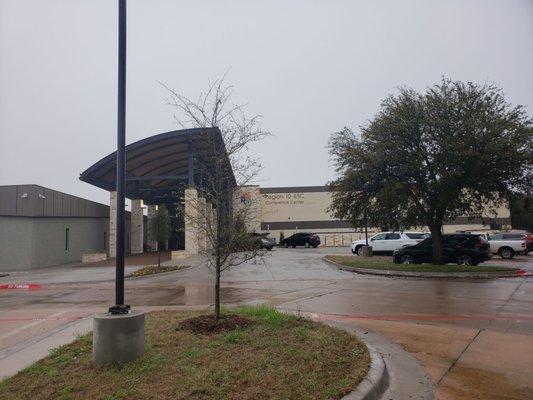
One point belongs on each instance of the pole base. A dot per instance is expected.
(367, 251)
(118, 338)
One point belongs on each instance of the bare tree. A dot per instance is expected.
(224, 219)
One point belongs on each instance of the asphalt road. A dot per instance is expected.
(475, 338)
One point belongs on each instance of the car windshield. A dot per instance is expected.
(425, 243)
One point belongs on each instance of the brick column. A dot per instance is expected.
(202, 222)
(247, 203)
(112, 224)
(191, 221)
(137, 227)
(151, 211)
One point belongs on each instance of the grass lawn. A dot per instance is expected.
(385, 263)
(154, 269)
(275, 357)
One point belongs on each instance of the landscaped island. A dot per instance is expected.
(385, 264)
(257, 353)
(154, 269)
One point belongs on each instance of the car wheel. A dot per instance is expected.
(286, 245)
(465, 259)
(407, 259)
(269, 248)
(315, 246)
(293, 246)
(307, 244)
(359, 251)
(506, 253)
(353, 251)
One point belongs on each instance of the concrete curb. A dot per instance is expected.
(393, 372)
(376, 381)
(160, 273)
(438, 275)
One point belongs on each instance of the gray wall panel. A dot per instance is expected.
(86, 235)
(15, 243)
(8, 200)
(43, 202)
(66, 204)
(48, 201)
(74, 206)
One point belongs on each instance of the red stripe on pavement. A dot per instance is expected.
(40, 319)
(425, 317)
(21, 286)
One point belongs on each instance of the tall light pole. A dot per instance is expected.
(120, 307)
(119, 335)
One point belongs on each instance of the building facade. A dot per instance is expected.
(41, 227)
(286, 210)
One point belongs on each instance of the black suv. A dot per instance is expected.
(463, 249)
(301, 239)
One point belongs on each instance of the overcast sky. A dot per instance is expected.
(309, 67)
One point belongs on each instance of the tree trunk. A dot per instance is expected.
(217, 292)
(159, 258)
(436, 238)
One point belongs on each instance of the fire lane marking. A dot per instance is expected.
(20, 286)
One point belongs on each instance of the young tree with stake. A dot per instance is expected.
(159, 230)
(225, 226)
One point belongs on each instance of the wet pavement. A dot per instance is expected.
(475, 338)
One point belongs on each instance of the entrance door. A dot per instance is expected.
(177, 228)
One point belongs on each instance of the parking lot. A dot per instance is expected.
(474, 338)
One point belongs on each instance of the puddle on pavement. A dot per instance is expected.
(184, 295)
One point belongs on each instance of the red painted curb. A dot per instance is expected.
(21, 286)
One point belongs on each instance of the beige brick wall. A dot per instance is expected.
(278, 207)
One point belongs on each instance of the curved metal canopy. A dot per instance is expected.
(162, 165)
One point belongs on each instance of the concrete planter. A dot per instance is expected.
(118, 338)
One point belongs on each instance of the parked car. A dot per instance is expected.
(387, 242)
(264, 240)
(507, 245)
(463, 249)
(529, 242)
(301, 239)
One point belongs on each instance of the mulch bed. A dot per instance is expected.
(205, 324)
(154, 269)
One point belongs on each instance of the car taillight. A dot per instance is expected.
(480, 243)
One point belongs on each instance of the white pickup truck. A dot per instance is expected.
(387, 242)
(507, 244)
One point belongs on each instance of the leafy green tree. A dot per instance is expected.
(159, 230)
(456, 150)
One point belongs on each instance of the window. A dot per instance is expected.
(417, 235)
(426, 243)
(67, 244)
(454, 240)
(380, 236)
(392, 236)
(513, 236)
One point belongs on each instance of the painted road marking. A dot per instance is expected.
(21, 286)
(36, 321)
(40, 319)
(415, 317)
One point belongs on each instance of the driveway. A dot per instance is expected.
(475, 338)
